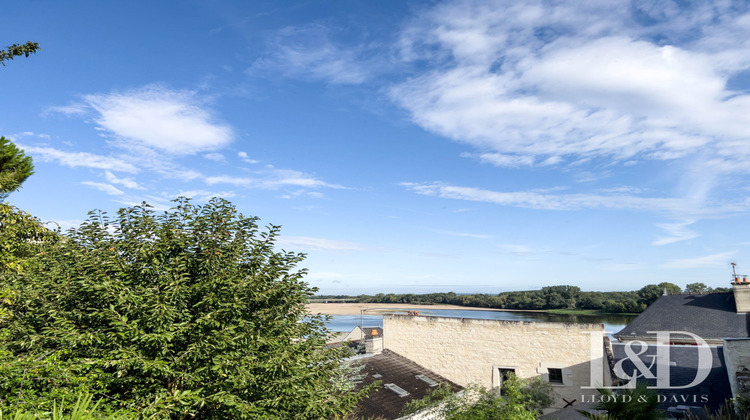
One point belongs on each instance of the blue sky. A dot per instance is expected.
(405, 146)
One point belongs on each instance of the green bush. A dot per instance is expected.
(517, 400)
(187, 313)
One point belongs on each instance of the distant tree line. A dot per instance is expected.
(551, 297)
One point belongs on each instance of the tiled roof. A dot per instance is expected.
(391, 368)
(710, 316)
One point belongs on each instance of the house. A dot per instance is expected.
(402, 381)
(569, 356)
(340, 337)
(696, 340)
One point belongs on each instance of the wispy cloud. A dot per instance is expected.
(172, 121)
(272, 178)
(677, 232)
(546, 201)
(79, 159)
(518, 250)
(124, 181)
(205, 195)
(320, 244)
(245, 158)
(708, 261)
(309, 53)
(216, 157)
(105, 188)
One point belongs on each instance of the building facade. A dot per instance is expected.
(569, 356)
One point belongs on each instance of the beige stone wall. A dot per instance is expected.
(470, 351)
(737, 359)
(742, 296)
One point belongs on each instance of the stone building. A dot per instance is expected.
(569, 356)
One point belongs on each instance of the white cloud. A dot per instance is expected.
(79, 159)
(518, 250)
(272, 178)
(320, 244)
(709, 261)
(204, 195)
(77, 109)
(308, 53)
(171, 121)
(677, 232)
(105, 188)
(125, 182)
(504, 160)
(303, 193)
(216, 157)
(246, 159)
(525, 82)
(543, 201)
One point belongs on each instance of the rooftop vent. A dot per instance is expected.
(377, 376)
(426, 379)
(401, 392)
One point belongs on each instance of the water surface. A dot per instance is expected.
(612, 323)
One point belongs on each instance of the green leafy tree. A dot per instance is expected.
(17, 50)
(190, 313)
(517, 400)
(648, 294)
(20, 233)
(15, 167)
(697, 288)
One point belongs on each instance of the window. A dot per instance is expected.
(503, 374)
(555, 375)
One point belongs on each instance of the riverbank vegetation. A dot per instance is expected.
(564, 299)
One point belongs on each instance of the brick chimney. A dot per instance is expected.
(741, 289)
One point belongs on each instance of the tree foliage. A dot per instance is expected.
(517, 400)
(548, 298)
(17, 50)
(697, 288)
(15, 167)
(638, 403)
(192, 313)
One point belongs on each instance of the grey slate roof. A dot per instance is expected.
(711, 392)
(390, 367)
(710, 316)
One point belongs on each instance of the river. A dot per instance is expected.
(612, 323)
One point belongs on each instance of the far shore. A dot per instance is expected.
(379, 308)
